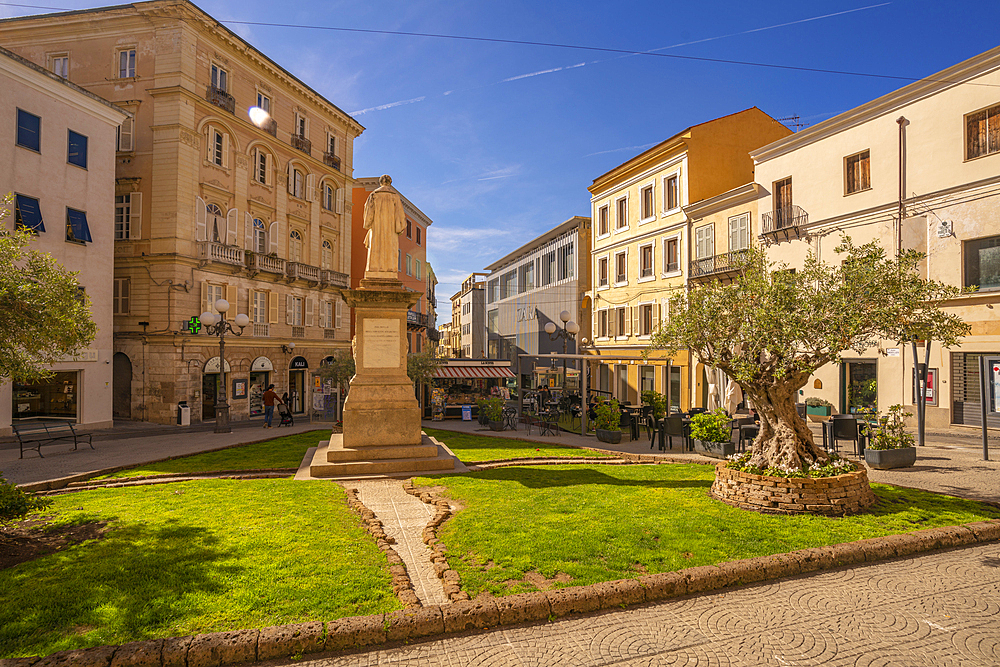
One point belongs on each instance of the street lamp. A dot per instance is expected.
(218, 325)
(569, 330)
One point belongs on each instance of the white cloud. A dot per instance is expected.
(390, 105)
(624, 148)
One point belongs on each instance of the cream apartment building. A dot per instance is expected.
(917, 168)
(57, 159)
(643, 243)
(208, 205)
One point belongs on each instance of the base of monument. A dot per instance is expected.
(332, 460)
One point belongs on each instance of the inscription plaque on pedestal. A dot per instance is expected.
(381, 343)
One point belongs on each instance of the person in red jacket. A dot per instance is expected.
(270, 397)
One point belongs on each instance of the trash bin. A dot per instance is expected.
(183, 414)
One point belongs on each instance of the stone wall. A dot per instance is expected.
(843, 494)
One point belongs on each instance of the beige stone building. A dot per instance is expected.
(917, 168)
(210, 205)
(57, 158)
(643, 243)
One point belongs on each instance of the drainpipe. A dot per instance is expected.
(902, 181)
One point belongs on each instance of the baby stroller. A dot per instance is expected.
(286, 415)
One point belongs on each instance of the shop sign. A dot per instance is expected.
(261, 364)
(892, 352)
(298, 363)
(193, 325)
(212, 365)
(82, 355)
(525, 313)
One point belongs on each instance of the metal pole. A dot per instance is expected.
(584, 426)
(917, 397)
(221, 405)
(520, 388)
(984, 369)
(923, 393)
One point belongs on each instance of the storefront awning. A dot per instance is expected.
(473, 372)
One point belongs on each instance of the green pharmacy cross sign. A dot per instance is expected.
(193, 325)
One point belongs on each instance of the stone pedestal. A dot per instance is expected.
(381, 415)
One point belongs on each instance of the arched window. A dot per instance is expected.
(328, 197)
(295, 246)
(259, 236)
(326, 258)
(215, 219)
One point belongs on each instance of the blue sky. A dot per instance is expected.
(497, 143)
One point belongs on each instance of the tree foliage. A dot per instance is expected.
(339, 370)
(420, 368)
(772, 328)
(44, 315)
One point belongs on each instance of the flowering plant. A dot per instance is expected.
(890, 431)
(833, 467)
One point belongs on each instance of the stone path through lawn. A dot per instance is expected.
(404, 518)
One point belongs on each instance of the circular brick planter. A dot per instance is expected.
(844, 494)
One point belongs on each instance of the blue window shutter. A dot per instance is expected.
(29, 214)
(29, 130)
(77, 149)
(76, 226)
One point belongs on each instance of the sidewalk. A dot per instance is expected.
(131, 444)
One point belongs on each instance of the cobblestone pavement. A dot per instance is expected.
(958, 470)
(934, 609)
(403, 518)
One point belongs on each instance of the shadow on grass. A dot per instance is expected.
(540, 478)
(135, 583)
(891, 500)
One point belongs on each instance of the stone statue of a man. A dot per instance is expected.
(384, 220)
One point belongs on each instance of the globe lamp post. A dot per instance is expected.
(570, 330)
(218, 325)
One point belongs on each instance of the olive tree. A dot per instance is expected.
(772, 327)
(44, 315)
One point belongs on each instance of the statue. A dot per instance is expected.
(384, 220)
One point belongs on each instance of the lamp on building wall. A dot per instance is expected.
(570, 330)
(218, 325)
(289, 348)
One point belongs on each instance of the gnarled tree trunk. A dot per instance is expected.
(785, 440)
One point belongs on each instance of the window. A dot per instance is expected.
(128, 208)
(620, 321)
(260, 169)
(77, 230)
(326, 255)
(60, 66)
(646, 261)
(120, 296)
(621, 274)
(293, 310)
(214, 221)
(602, 221)
(645, 319)
(77, 152)
(858, 172)
(125, 135)
(493, 321)
(416, 269)
(602, 324)
(328, 196)
(217, 148)
(29, 129)
(28, 213)
(526, 277)
(295, 246)
(409, 264)
(399, 260)
(671, 193)
(418, 234)
(259, 302)
(982, 132)
(213, 293)
(220, 78)
(671, 258)
(704, 241)
(602, 272)
(566, 261)
(300, 126)
(331, 143)
(326, 314)
(409, 229)
(622, 210)
(126, 64)
(739, 232)
(982, 263)
(783, 215)
(492, 290)
(508, 284)
(259, 236)
(296, 184)
(647, 203)
(263, 102)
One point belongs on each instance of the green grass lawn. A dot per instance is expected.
(194, 557)
(284, 452)
(470, 448)
(601, 523)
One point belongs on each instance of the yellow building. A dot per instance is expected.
(643, 243)
(210, 205)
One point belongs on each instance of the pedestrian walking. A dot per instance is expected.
(270, 398)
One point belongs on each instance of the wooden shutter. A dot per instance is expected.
(250, 305)
(232, 220)
(636, 329)
(231, 296)
(200, 219)
(248, 233)
(135, 215)
(338, 317)
(125, 134)
(311, 187)
(340, 200)
(291, 174)
(309, 312)
(288, 309)
(206, 298)
(225, 150)
(272, 237)
(272, 307)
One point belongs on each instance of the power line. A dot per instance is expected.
(557, 45)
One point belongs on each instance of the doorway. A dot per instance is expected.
(297, 391)
(859, 386)
(258, 385)
(121, 382)
(209, 389)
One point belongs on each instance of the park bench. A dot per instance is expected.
(36, 434)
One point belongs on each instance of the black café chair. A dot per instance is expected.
(845, 427)
(673, 427)
(696, 411)
(651, 429)
(746, 430)
(627, 423)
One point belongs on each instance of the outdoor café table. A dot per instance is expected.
(862, 435)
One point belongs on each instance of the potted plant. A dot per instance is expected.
(889, 445)
(713, 434)
(609, 417)
(658, 403)
(492, 407)
(819, 407)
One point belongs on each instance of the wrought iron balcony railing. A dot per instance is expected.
(433, 334)
(419, 319)
(783, 218)
(218, 252)
(221, 98)
(727, 262)
(331, 160)
(302, 144)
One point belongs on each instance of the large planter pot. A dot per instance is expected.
(718, 450)
(818, 410)
(496, 426)
(610, 437)
(886, 459)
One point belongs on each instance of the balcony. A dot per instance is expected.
(416, 320)
(302, 144)
(331, 160)
(783, 224)
(297, 270)
(261, 330)
(271, 127)
(720, 266)
(334, 278)
(211, 251)
(221, 98)
(265, 263)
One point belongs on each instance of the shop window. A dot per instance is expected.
(55, 397)
(982, 263)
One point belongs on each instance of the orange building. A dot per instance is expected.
(414, 271)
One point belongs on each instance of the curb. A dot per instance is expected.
(169, 478)
(359, 632)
